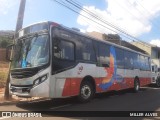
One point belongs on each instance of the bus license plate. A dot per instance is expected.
(19, 90)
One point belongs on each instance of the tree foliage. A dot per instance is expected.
(5, 41)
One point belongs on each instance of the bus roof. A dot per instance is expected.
(96, 39)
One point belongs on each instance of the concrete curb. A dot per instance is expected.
(22, 101)
(8, 103)
(11, 102)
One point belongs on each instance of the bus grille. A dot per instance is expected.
(23, 73)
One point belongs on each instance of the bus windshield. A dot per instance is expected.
(31, 52)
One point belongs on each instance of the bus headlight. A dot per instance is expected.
(40, 79)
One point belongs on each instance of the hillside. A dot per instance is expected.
(6, 38)
(6, 33)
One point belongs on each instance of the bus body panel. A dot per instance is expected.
(68, 82)
(42, 89)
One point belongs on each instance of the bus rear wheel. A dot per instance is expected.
(158, 82)
(86, 92)
(136, 85)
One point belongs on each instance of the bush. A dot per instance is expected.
(4, 68)
(4, 42)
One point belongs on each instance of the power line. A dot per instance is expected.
(127, 10)
(65, 5)
(146, 10)
(108, 23)
(143, 7)
(98, 17)
(142, 13)
(90, 19)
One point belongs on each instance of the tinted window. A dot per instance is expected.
(136, 61)
(85, 49)
(103, 55)
(128, 59)
(147, 64)
(153, 69)
(120, 58)
(63, 50)
(142, 62)
(31, 52)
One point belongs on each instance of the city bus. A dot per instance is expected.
(54, 61)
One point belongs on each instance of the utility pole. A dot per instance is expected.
(20, 15)
(18, 27)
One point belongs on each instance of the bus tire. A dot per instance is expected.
(158, 82)
(86, 91)
(136, 85)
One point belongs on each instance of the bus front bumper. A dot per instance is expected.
(41, 90)
(20, 91)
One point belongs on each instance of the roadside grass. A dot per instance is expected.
(3, 73)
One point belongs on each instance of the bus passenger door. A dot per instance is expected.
(62, 62)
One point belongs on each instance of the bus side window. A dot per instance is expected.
(104, 55)
(147, 63)
(64, 50)
(120, 58)
(87, 52)
(128, 59)
(135, 61)
(142, 62)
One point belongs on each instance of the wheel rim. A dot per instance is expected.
(86, 91)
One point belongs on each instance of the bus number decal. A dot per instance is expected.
(80, 70)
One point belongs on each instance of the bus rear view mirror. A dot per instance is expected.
(8, 52)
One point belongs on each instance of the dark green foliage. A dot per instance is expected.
(5, 41)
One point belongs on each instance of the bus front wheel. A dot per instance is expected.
(86, 92)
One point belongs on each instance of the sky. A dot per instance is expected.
(139, 18)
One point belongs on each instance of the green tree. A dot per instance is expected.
(4, 43)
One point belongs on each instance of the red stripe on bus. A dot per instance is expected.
(127, 83)
(66, 89)
(72, 85)
(75, 86)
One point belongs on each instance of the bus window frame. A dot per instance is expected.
(66, 40)
(122, 50)
(97, 53)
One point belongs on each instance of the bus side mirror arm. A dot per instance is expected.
(8, 55)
